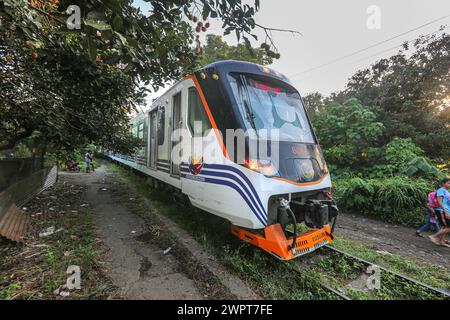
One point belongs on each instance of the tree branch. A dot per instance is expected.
(277, 29)
(13, 141)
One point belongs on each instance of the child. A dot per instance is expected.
(443, 213)
(87, 159)
(431, 221)
(91, 157)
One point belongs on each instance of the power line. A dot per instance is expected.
(378, 53)
(369, 47)
(392, 48)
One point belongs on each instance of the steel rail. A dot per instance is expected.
(396, 274)
(323, 285)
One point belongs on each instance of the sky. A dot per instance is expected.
(332, 29)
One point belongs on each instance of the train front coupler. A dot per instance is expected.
(316, 213)
(287, 244)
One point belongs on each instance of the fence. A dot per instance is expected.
(13, 221)
(13, 170)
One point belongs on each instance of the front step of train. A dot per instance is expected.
(275, 242)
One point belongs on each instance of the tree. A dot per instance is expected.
(410, 93)
(314, 103)
(351, 138)
(349, 133)
(216, 49)
(62, 103)
(70, 87)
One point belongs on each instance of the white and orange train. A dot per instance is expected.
(259, 199)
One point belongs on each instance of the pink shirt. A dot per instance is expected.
(433, 203)
(432, 200)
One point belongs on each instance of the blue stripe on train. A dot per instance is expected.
(166, 170)
(233, 169)
(242, 175)
(261, 213)
(233, 186)
(250, 195)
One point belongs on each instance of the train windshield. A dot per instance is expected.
(267, 106)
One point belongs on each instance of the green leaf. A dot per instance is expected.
(117, 23)
(91, 48)
(122, 39)
(206, 11)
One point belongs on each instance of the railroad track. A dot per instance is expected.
(402, 281)
(399, 277)
(325, 287)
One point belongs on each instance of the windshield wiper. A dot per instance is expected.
(248, 108)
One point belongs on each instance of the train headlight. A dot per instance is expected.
(262, 166)
(306, 169)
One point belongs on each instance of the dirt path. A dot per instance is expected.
(140, 269)
(392, 238)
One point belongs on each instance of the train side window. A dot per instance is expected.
(197, 113)
(140, 131)
(134, 131)
(161, 125)
(145, 132)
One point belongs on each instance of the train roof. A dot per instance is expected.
(230, 63)
(227, 66)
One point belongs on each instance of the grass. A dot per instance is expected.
(76, 244)
(432, 274)
(341, 271)
(270, 277)
(9, 291)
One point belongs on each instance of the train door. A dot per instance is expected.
(153, 136)
(198, 125)
(197, 118)
(175, 125)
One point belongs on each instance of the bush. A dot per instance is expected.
(21, 151)
(422, 166)
(397, 199)
(399, 152)
(347, 133)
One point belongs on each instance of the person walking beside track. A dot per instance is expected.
(91, 157)
(87, 159)
(431, 221)
(443, 213)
